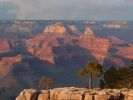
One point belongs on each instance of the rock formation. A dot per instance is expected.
(6, 64)
(57, 28)
(115, 40)
(4, 46)
(74, 30)
(97, 46)
(72, 93)
(126, 52)
(88, 32)
(42, 45)
(58, 52)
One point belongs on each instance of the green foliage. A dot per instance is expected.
(92, 69)
(111, 77)
(45, 82)
(81, 72)
(120, 77)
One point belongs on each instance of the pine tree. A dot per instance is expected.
(92, 69)
(45, 82)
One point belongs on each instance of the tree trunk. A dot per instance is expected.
(90, 82)
(47, 87)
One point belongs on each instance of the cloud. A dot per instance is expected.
(74, 9)
(8, 10)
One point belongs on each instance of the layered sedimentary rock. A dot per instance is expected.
(72, 93)
(74, 30)
(126, 52)
(115, 40)
(6, 64)
(89, 33)
(55, 36)
(119, 53)
(4, 46)
(97, 46)
(41, 46)
(56, 28)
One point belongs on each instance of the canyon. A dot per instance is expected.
(56, 36)
(58, 50)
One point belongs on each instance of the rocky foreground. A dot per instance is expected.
(72, 93)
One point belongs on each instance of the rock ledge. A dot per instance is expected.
(73, 93)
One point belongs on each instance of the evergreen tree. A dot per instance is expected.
(92, 69)
(45, 82)
(111, 77)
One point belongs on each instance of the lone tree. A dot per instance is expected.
(45, 82)
(92, 69)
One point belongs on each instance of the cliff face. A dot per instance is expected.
(119, 52)
(126, 52)
(97, 46)
(59, 51)
(4, 46)
(72, 93)
(55, 36)
(56, 28)
(6, 64)
(74, 30)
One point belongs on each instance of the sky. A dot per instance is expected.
(67, 9)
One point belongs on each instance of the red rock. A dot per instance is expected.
(126, 52)
(118, 61)
(97, 46)
(6, 64)
(88, 32)
(74, 30)
(4, 46)
(56, 28)
(41, 45)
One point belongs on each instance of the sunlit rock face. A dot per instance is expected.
(126, 52)
(89, 33)
(42, 45)
(73, 93)
(74, 30)
(39, 46)
(57, 28)
(97, 46)
(4, 46)
(120, 53)
(6, 64)
(115, 40)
